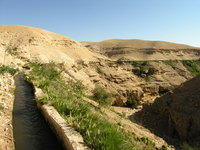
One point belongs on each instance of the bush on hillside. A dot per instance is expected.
(101, 96)
(132, 102)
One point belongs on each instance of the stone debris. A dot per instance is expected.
(6, 104)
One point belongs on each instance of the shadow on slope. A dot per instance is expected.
(175, 116)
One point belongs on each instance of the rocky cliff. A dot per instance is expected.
(182, 110)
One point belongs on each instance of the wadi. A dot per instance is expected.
(116, 94)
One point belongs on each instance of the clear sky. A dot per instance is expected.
(96, 20)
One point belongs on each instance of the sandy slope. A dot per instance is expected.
(33, 43)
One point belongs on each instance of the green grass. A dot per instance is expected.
(169, 62)
(193, 66)
(7, 69)
(101, 96)
(66, 97)
(141, 64)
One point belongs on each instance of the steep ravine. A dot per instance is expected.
(31, 131)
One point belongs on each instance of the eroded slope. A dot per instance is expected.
(143, 50)
(36, 44)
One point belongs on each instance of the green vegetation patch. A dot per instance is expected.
(169, 62)
(132, 102)
(193, 66)
(7, 69)
(101, 96)
(67, 98)
(141, 64)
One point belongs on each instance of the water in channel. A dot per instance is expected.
(31, 131)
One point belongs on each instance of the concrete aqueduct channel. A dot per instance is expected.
(40, 127)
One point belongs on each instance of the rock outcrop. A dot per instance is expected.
(122, 81)
(182, 110)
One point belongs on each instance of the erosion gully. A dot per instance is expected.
(31, 131)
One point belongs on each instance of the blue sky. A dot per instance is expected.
(96, 20)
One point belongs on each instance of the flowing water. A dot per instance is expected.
(31, 131)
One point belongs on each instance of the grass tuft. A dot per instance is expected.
(193, 66)
(101, 96)
(7, 69)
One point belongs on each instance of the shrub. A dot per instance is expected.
(141, 64)
(193, 66)
(7, 69)
(132, 102)
(144, 69)
(101, 96)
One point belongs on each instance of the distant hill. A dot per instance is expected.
(137, 49)
(139, 44)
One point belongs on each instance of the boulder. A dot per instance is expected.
(136, 94)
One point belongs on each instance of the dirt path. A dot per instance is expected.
(6, 106)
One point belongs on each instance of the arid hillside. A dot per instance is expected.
(36, 44)
(122, 73)
(133, 49)
(117, 76)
